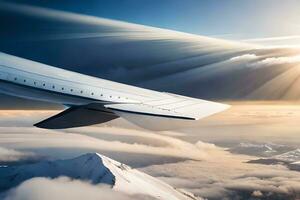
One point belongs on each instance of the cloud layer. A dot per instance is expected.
(201, 168)
(65, 188)
(230, 178)
(97, 139)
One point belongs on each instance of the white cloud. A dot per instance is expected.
(257, 193)
(245, 57)
(14, 155)
(67, 189)
(206, 146)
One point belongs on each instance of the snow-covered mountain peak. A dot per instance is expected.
(88, 167)
(96, 169)
(259, 149)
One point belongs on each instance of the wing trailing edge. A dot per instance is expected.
(176, 113)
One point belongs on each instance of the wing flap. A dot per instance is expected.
(144, 109)
(77, 117)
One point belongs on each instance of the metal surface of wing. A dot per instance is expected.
(172, 112)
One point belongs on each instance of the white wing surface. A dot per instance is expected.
(172, 111)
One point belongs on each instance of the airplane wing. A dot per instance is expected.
(171, 112)
(93, 100)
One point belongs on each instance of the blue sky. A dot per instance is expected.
(232, 19)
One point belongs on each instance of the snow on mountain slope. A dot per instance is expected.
(263, 149)
(96, 169)
(290, 156)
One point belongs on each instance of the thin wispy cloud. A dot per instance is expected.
(273, 61)
(270, 39)
(85, 138)
(288, 42)
(245, 57)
